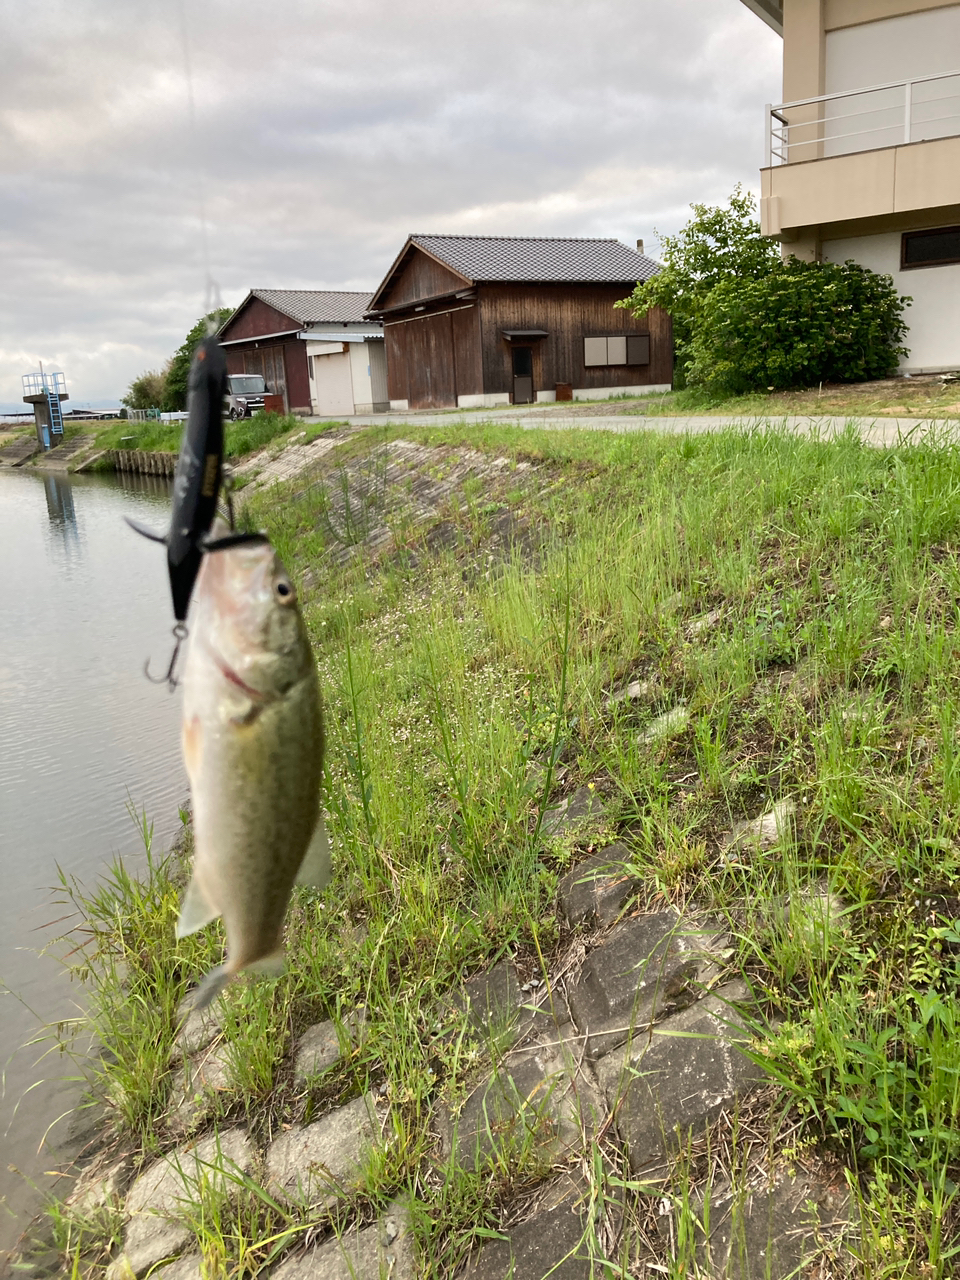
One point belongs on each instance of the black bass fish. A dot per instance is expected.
(253, 748)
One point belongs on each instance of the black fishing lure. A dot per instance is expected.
(196, 484)
(196, 487)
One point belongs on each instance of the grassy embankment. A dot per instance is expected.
(456, 679)
(247, 435)
(895, 397)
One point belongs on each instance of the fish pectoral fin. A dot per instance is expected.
(145, 531)
(209, 988)
(196, 910)
(315, 869)
(271, 966)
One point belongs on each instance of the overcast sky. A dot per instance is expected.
(325, 131)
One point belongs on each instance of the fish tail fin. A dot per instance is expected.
(271, 966)
(210, 987)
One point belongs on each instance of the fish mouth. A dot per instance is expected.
(257, 696)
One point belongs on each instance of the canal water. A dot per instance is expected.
(84, 738)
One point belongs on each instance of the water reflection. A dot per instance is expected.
(60, 508)
(153, 486)
(81, 733)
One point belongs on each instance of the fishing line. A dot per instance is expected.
(212, 301)
(188, 474)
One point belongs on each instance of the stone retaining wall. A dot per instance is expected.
(142, 461)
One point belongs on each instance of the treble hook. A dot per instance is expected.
(180, 634)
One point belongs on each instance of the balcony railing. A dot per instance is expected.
(42, 384)
(885, 115)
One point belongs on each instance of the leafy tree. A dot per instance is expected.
(148, 391)
(179, 369)
(717, 244)
(800, 324)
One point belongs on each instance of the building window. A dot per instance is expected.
(929, 248)
(620, 348)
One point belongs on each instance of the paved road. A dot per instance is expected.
(876, 431)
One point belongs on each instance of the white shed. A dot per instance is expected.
(348, 372)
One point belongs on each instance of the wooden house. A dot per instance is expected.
(487, 320)
(312, 346)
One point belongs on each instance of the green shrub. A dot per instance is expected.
(718, 243)
(799, 324)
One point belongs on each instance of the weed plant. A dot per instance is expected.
(798, 599)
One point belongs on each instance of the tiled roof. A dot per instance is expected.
(534, 259)
(316, 306)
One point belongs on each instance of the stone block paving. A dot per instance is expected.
(680, 1077)
(497, 1004)
(20, 451)
(577, 816)
(595, 891)
(58, 458)
(774, 1229)
(646, 967)
(155, 1229)
(267, 467)
(318, 1049)
(189, 1266)
(100, 1186)
(414, 478)
(320, 1162)
(323, 1045)
(539, 1096)
(383, 1251)
(199, 1028)
(204, 1074)
(636, 1042)
(552, 1243)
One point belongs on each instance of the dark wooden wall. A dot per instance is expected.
(298, 377)
(421, 277)
(256, 319)
(283, 366)
(433, 358)
(569, 313)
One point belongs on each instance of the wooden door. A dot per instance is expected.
(522, 375)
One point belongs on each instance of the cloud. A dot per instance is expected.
(323, 133)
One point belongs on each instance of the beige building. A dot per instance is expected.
(863, 154)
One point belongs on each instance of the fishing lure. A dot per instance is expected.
(196, 489)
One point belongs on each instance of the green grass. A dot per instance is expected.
(918, 397)
(460, 679)
(242, 437)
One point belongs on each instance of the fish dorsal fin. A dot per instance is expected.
(315, 869)
(196, 910)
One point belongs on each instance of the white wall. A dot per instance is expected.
(332, 385)
(933, 335)
(348, 381)
(366, 358)
(916, 44)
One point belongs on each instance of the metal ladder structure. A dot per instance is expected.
(51, 387)
(56, 414)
